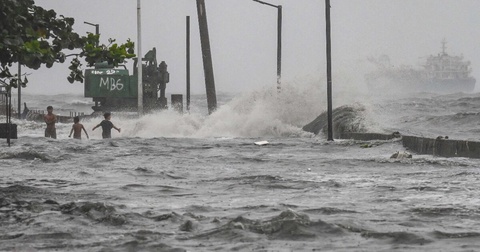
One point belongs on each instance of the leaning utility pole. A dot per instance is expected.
(207, 57)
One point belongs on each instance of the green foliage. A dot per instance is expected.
(33, 36)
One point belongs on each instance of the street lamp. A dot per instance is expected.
(279, 42)
(97, 29)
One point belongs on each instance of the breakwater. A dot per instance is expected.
(349, 123)
(37, 115)
(439, 146)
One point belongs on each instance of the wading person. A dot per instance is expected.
(50, 119)
(77, 129)
(107, 126)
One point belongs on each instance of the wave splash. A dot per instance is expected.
(263, 113)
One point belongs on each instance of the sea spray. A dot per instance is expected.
(260, 113)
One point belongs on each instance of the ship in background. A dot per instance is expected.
(442, 73)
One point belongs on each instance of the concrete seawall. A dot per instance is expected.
(421, 145)
(442, 147)
(368, 136)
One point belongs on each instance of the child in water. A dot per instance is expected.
(77, 129)
(107, 126)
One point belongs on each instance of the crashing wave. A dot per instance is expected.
(346, 118)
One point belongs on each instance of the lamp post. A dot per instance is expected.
(97, 28)
(279, 41)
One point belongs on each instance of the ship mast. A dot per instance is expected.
(444, 43)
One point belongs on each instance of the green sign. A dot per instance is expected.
(109, 83)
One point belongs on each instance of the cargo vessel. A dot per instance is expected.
(441, 73)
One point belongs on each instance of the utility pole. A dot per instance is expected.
(329, 72)
(207, 57)
(139, 57)
(9, 114)
(188, 63)
(19, 85)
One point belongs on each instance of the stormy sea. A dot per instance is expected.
(196, 182)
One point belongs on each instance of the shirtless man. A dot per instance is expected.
(50, 119)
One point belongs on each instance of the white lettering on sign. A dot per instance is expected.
(111, 83)
(109, 71)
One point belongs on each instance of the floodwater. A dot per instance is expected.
(192, 182)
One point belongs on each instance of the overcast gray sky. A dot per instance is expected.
(243, 38)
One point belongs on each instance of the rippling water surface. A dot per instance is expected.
(173, 182)
(163, 194)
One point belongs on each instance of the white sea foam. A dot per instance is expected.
(260, 113)
(265, 113)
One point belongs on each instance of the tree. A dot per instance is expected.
(33, 36)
